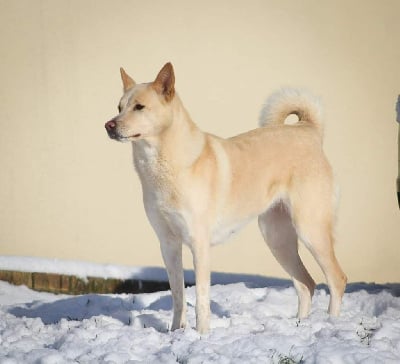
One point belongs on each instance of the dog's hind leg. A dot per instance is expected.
(318, 237)
(278, 231)
(172, 255)
(314, 223)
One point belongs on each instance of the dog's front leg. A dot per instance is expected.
(201, 262)
(172, 255)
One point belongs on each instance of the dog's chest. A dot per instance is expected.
(161, 195)
(167, 219)
(157, 181)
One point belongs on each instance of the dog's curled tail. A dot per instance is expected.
(289, 101)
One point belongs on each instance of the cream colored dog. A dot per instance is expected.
(198, 189)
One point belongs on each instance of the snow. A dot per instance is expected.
(251, 323)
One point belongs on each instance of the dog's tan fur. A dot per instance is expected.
(198, 188)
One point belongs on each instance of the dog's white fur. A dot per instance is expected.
(198, 189)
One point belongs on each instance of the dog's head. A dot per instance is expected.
(144, 109)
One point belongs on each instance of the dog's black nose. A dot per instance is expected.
(110, 125)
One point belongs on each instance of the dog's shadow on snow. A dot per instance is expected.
(132, 310)
(78, 308)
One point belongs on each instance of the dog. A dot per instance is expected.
(198, 189)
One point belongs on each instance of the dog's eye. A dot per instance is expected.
(119, 108)
(138, 107)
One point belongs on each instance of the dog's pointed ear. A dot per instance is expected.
(127, 81)
(164, 83)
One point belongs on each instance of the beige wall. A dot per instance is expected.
(67, 191)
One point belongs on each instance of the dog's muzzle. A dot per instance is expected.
(111, 127)
(112, 130)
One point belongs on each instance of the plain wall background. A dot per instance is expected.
(67, 191)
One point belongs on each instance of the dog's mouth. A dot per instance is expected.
(122, 138)
(134, 136)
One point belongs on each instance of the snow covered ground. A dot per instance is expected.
(250, 324)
